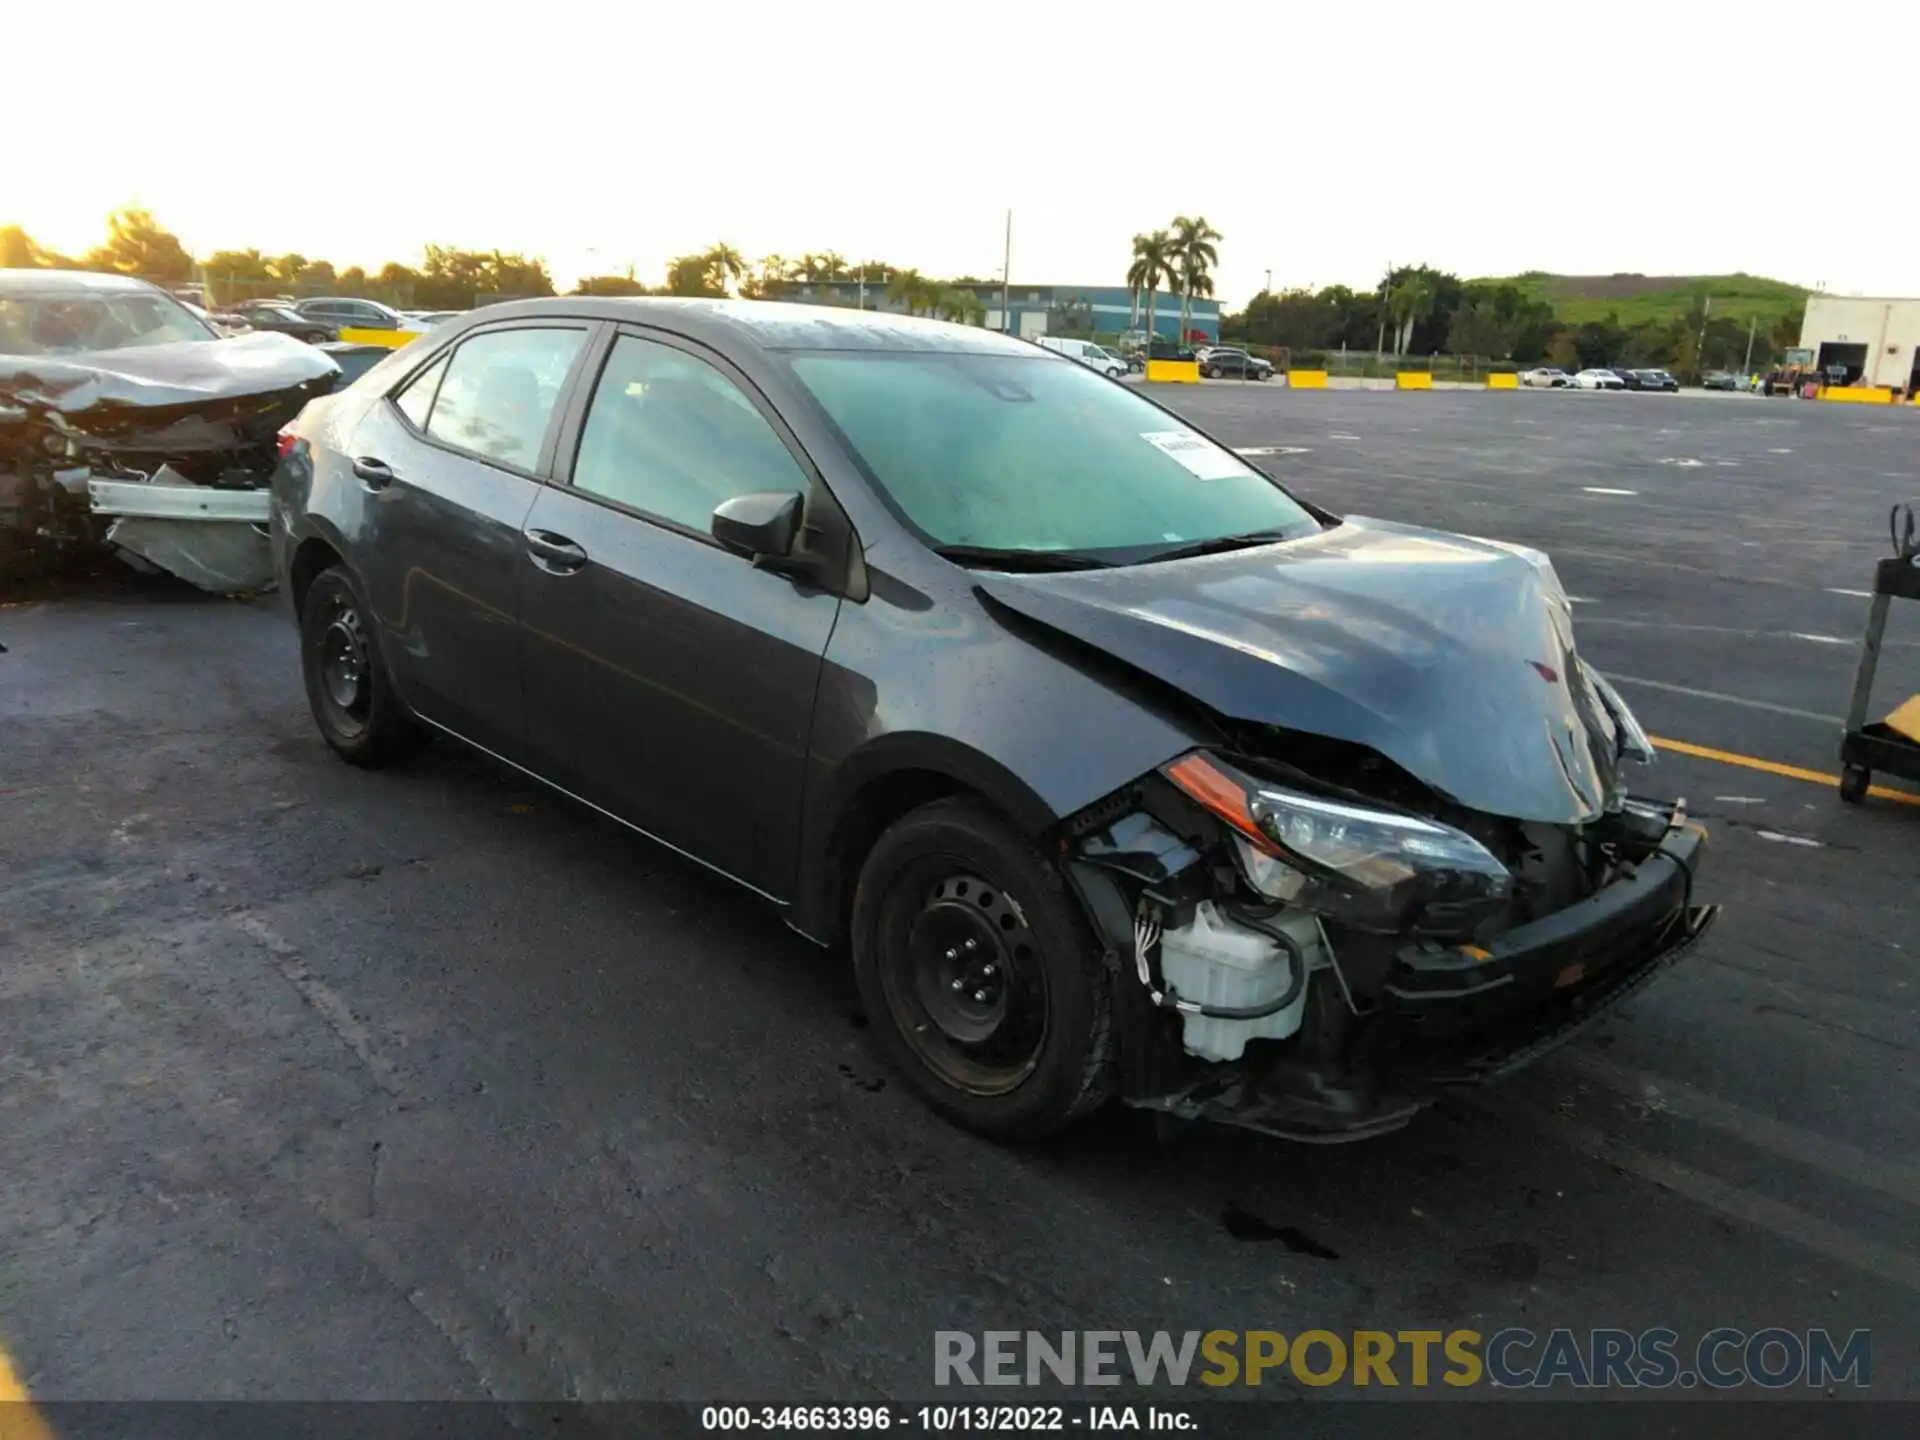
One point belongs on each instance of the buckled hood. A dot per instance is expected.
(1451, 656)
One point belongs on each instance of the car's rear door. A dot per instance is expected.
(668, 680)
(452, 460)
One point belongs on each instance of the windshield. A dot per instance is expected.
(70, 323)
(1026, 453)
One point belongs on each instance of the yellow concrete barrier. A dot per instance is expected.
(1413, 380)
(392, 339)
(1175, 372)
(1858, 394)
(1307, 379)
(1501, 381)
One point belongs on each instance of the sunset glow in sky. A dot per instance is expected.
(1325, 142)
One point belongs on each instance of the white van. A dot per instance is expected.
(1086, 352)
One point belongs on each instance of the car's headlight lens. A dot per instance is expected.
(1373, 869)
(1634, 743)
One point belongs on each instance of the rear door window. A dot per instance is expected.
(500, 390)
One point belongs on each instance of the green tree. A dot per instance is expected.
(609, 285)
(1409, 302)
(17, 250)
(910, 290)
(726, 265)
(137, 245)
(1477, 329)
(1152, 267)
(1194, 256)
(353, 281)
(960, 306)
(692, 275)
(398, 284)
(832, 265)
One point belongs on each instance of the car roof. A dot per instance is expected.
(72, 282)
(769, 324)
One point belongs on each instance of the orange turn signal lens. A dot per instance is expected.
(1219, 793)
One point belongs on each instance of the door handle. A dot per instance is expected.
(555, 554)
(374, 474)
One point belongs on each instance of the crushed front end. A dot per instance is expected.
(159, 452)
(1310, 942)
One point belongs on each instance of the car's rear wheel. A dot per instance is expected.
(352, 699)
(982, 982)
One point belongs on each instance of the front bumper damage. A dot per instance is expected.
(161, 454)
(1437, 1016)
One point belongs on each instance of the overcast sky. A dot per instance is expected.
(1325, 142)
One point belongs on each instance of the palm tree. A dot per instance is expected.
(724, 263)
(1152, 267)
(1193, 252)
(831, 264)
(1413, 301)
(962, 306)
(908, 289)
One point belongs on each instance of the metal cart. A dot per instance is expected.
(1866, 748)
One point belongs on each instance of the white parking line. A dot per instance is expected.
(1820, 639)
(1270, 450)
(1606, 490)
(1722, 697)
(1857, 594)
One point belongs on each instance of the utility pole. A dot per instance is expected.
(1700, 350)
(1006, 280)
(1746, 366)
(1269, 286)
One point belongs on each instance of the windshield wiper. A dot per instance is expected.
(1216, 545)
(993, 557)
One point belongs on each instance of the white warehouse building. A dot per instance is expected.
(1876, 341)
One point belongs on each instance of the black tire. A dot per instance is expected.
(1031, 1049)
(352, 699)
(1854, 780)
(1207, 372)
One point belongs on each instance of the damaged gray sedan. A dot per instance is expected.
(1118, 769)
(125, 421)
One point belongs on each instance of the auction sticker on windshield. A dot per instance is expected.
(1206, 460)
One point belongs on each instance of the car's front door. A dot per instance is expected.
(668, 680)
(451, 462)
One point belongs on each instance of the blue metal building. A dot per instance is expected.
(1038, 309)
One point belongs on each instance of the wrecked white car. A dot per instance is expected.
(126, 421)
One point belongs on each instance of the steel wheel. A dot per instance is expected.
(961, 975)
(346, 672)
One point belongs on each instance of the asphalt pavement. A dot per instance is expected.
(428, 1084)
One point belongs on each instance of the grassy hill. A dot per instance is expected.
(1639, 298)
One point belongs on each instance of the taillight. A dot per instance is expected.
(286, 440)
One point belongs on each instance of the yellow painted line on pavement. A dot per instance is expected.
(1774, 767)
(18, 1419)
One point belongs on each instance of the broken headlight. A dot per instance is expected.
(1634, 744)
(1372, 869)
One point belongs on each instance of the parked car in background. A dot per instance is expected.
(1546, 377)
(1355, 821)
(1086, 352)
(273, 315)
(431, 318)
(1227, 360)
(1648, 380)
(1598, 380)
(1722, 380)
(347, 312)
(1159, 348)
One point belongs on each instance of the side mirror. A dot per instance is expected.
(762, 524)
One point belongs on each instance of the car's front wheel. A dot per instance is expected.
(979, 975)
(352, 699)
